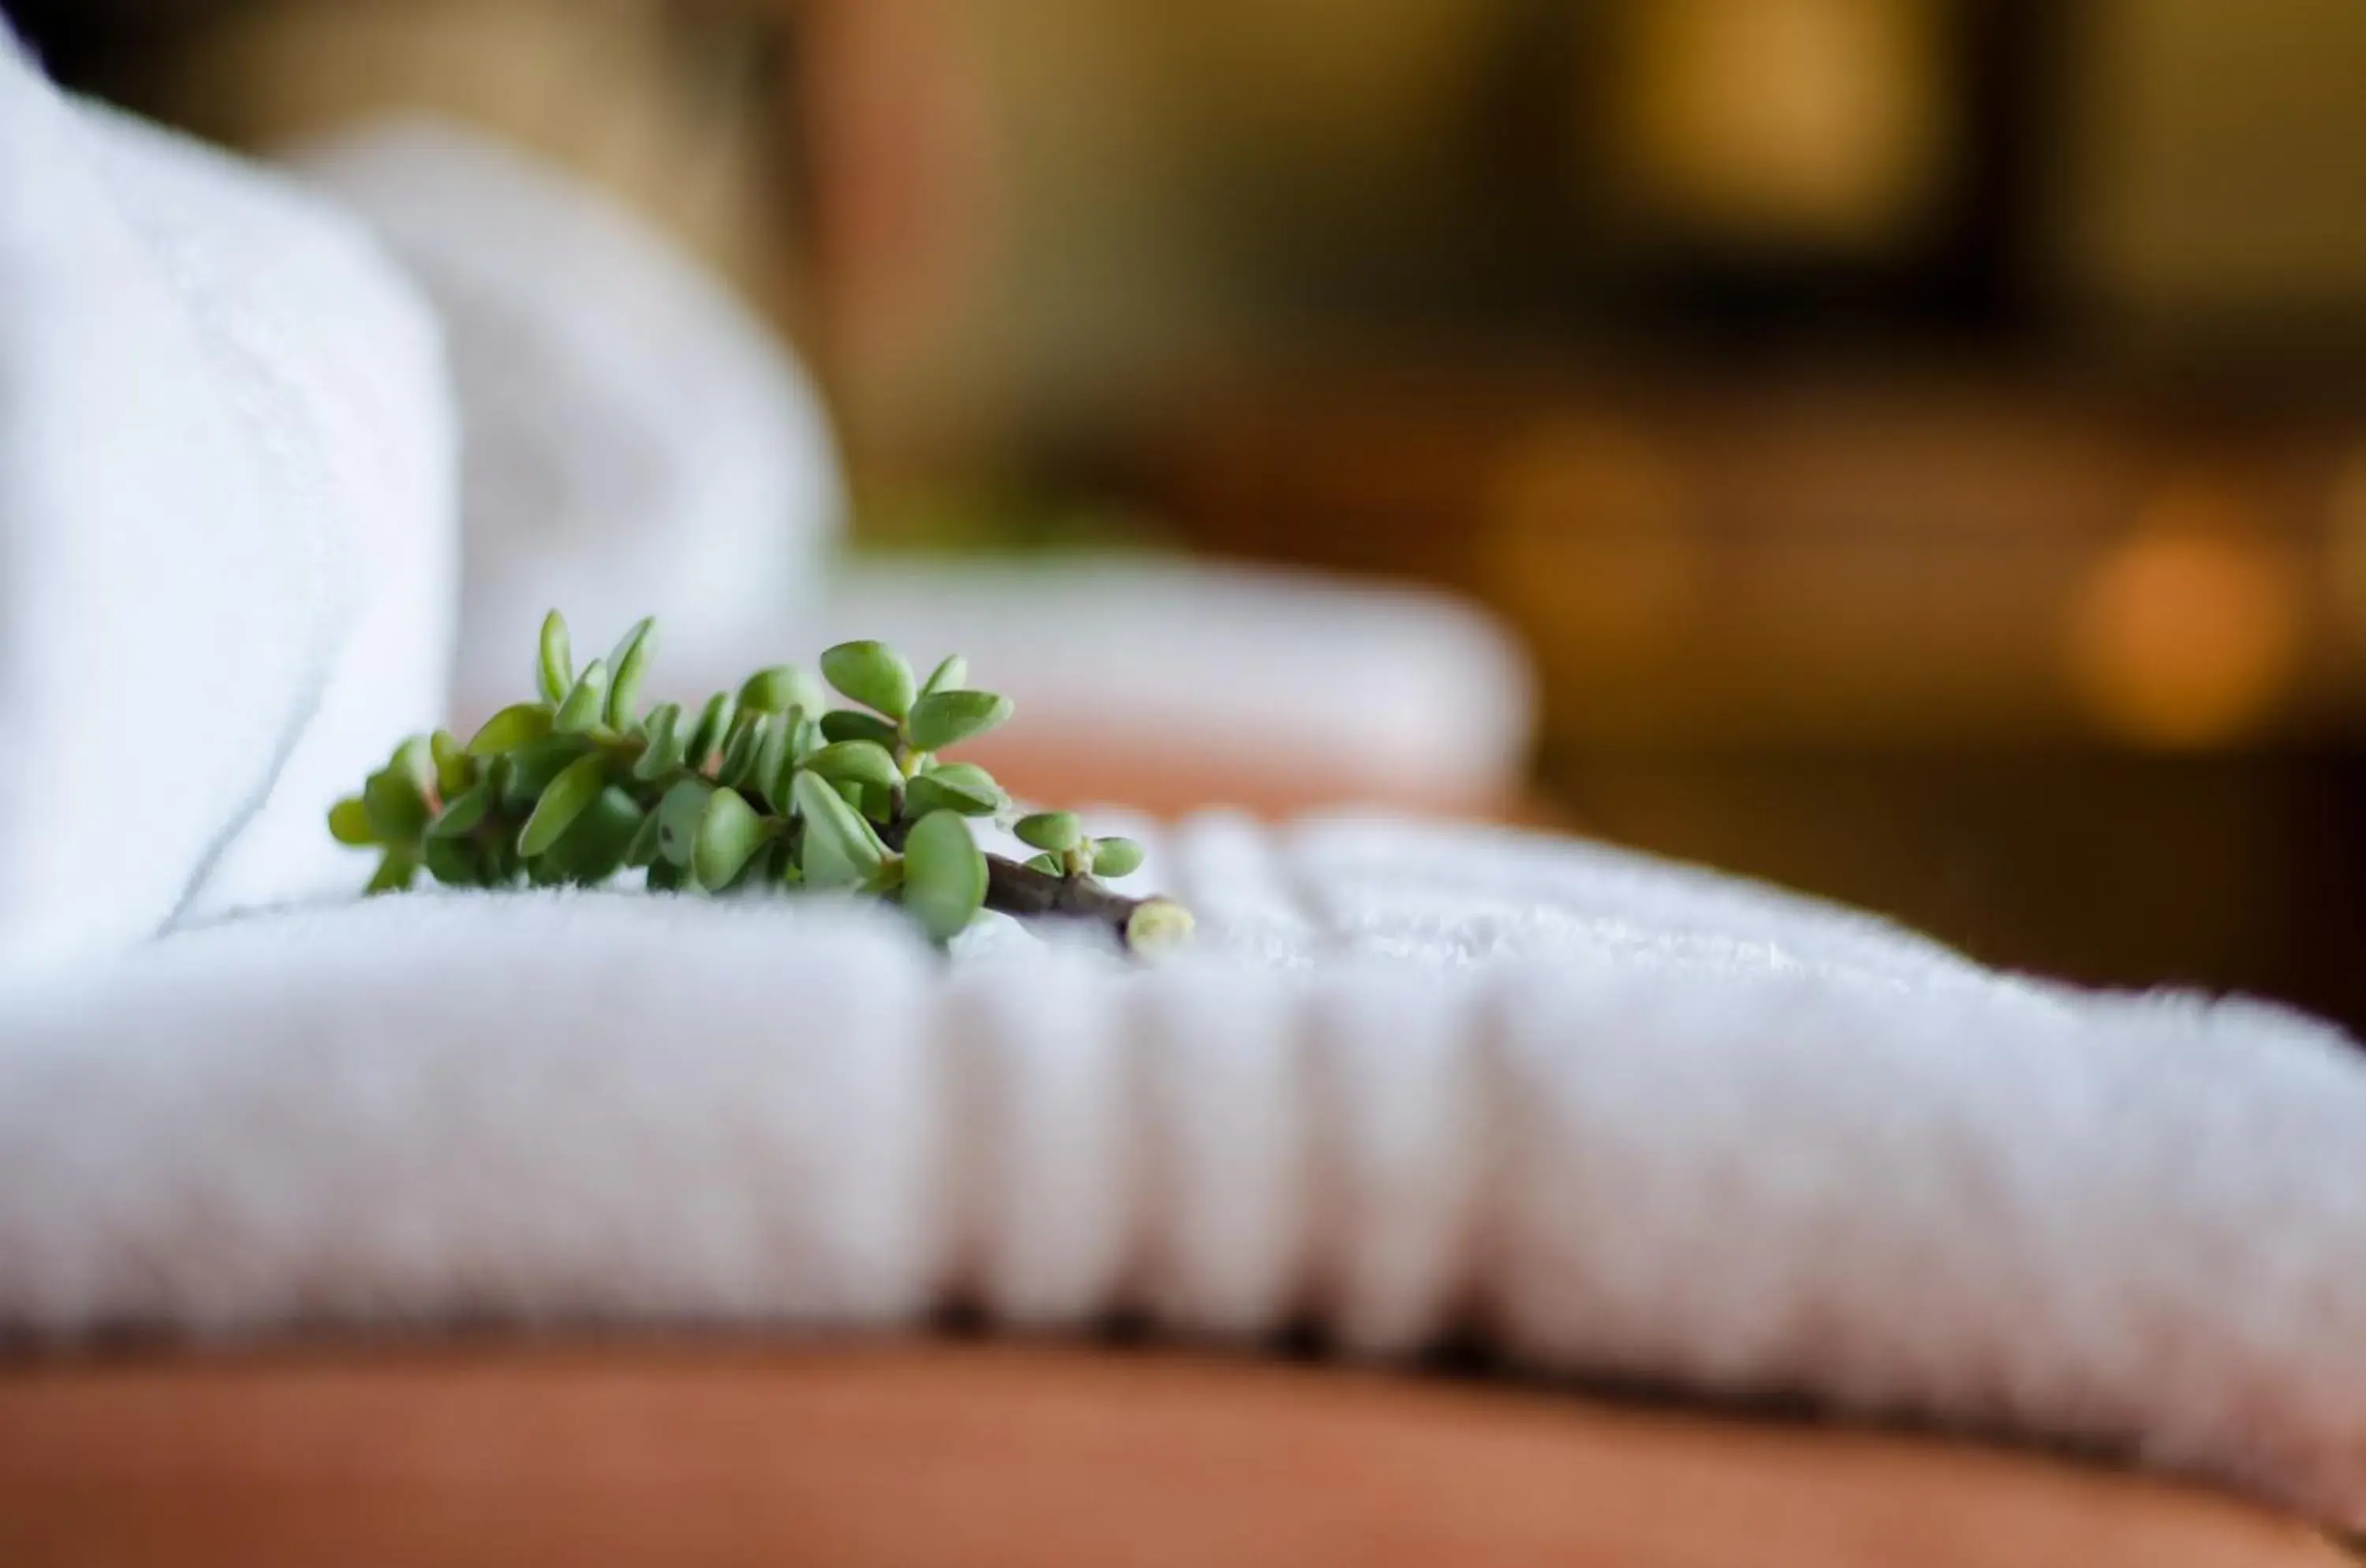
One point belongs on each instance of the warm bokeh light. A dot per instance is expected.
(2345, 551)
(2186, 633)
(1584, 538)
(1785, 119)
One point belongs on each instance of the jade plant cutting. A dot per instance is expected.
(770, 788)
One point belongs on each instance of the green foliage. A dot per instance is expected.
(555, 666)
(846, 724)
(947, 718)
(781, 688)
(963, 787)
(838, 850)
(510, 729)
(587, 705)
(871, 673)
(944, 874)
(1116, 857)
(630, 662)
(763, 787)
(1055, 831)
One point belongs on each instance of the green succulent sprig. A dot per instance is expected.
(770, 788)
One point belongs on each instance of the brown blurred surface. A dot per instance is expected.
(937, 1454)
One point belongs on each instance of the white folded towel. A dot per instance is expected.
(1613, 1116)
(226, 525)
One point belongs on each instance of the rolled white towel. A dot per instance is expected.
(226, 524)
(637, 440)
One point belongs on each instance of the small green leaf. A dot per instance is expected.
(740, 753)
(643, 849)
(593, 849)
(729, 830)
(944, 874)
(781, 688)
(969, 778)
(947, 718)
(1048, 864)
(871, 673)
(951, 675)
(805, 732)
(857, 762)
(769, 773)
(666, 877)
(715, 722)
(1116, 857)
(954, 786)
(531, 767)
(394, 870)
(797, 745)
(663, 751)
(846, 724)
(460, 814)
(678, 818)
(576, 788)
(759, 869)
(840, 850)
(631, 663)
(587, 705)
(554, 670)
(395, 804)
(451, 862)
(349, 823)
(1054, 830)
(454, 771)
(515, 726)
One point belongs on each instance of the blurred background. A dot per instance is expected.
(1921, 443)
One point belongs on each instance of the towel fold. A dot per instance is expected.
(226, 525)
(1610, 1115)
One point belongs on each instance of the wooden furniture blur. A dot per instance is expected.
(920, 1457)
(2069, 671)
(1704, 558)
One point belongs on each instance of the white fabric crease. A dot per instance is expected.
(1618, 1117)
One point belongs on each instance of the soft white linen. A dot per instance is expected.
(637, 440)
(225, 525)
(1616, 1116)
